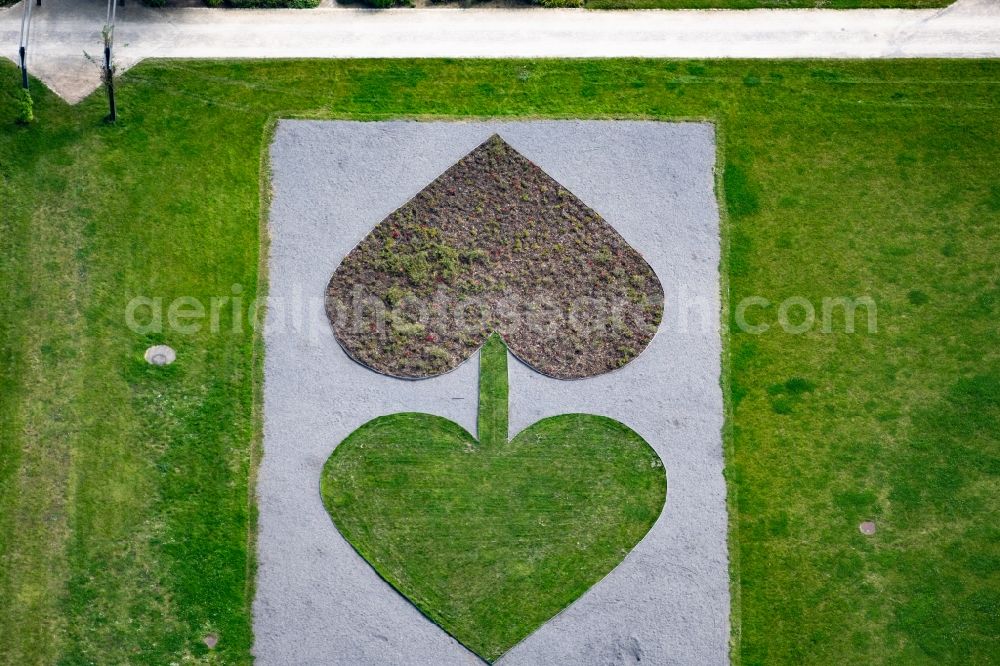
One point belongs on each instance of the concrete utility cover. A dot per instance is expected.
(160, 355)
(867, 528)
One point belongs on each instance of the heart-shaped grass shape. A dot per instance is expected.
(492, 538)
(494, 244)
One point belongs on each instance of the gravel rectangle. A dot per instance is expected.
(317, 601)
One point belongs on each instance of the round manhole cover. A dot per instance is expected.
(867, 528)
(160, 355)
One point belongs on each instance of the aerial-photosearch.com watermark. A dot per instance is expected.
(309, 316)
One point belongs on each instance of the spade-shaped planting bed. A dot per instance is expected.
(494, 244)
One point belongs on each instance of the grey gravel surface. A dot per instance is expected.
(317, 601)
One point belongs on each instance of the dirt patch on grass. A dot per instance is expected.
(494, 244)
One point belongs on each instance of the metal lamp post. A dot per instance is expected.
(22, 50)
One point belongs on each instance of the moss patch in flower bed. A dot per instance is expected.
(494, 244)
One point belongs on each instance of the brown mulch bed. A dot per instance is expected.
(494, 244)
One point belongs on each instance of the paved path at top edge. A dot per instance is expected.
(63, 29)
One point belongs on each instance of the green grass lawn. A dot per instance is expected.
(125, 522)
(491, 538)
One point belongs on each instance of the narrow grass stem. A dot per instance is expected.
(492, 425)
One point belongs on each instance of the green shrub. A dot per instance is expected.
(272, 4)
(25, 107)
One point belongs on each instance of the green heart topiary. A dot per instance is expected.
(492, 538)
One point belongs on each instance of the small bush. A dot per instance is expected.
(917, 297)
(25, 108)
(272, 4)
